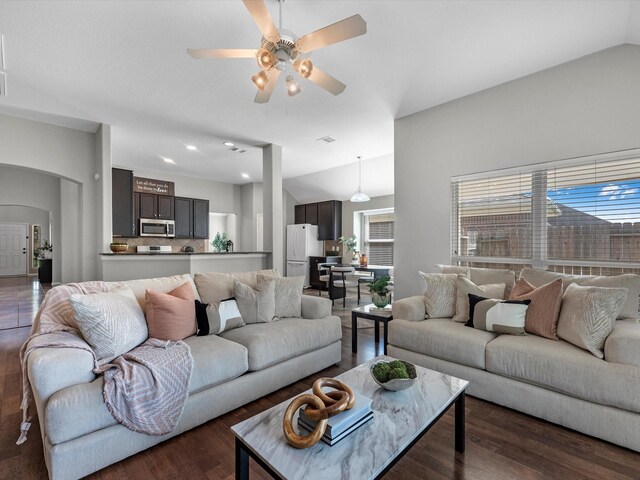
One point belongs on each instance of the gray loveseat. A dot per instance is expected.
(549, 379)
(80, 436)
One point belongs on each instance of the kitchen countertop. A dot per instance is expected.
(135, 254)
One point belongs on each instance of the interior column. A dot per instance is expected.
(272, 201)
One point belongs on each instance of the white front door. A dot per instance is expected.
(13, 249)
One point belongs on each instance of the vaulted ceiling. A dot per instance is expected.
(124, 63)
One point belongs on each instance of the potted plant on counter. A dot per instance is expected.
(220, 242)
(380, 293)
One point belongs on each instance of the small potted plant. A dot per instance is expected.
(220, 242)
(380, 293)
(45, 251)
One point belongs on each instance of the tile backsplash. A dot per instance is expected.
(176, 243)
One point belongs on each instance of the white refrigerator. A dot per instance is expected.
(302, 243)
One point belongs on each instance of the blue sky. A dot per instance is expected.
(612, 201)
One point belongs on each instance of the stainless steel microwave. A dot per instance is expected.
(151, 227)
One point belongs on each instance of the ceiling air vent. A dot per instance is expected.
(326, 139)
(3, 84)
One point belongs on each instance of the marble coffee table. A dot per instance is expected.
(400, 419)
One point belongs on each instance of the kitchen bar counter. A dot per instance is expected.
(129, 266)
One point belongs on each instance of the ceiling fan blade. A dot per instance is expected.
(326, 81)
(337, 32)
(260, 14)
(264, 95)
(222, 52)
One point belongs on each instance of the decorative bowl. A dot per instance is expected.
(396, 384)
(118, 247)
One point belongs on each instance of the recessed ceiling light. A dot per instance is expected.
(167, 160)
(245, 175)
(228, 144)
(191, 147)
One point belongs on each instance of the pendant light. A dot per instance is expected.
(359, 196)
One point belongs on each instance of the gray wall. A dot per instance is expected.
(587, 106)
(70, 155)
(349, 208)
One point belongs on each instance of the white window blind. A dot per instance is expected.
(575, 217)
(379, 233)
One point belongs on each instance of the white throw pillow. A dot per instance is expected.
(464, 287)
(256, 305)
(588, 315)
(288, 295)
(439, 294)
(215, 318)
(112, 323)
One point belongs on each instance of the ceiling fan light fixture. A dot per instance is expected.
(304, 67)
(265, 59)
(260, 79)
(293, 88)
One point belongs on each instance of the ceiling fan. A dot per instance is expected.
(282, 50)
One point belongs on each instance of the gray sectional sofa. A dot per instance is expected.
(550, 379)
(80, 436)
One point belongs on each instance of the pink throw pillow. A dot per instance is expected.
(171, 315)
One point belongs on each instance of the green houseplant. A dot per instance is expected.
(219, 242)
(350, 243)
(380, 293)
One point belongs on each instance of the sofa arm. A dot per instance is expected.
(623, 343)
(51, 369)
(315, 307)
(410, 308)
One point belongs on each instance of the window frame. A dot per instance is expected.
(366, 241)
(539, 255)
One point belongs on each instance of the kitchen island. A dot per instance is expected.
(130, 266)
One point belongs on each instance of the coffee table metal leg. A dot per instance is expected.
(242, 461)
(386, 335)
(354, 332)
(377, 332)
(460, 423)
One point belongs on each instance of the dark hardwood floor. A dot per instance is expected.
(501, 444)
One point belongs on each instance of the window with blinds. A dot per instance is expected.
(379, 232)
(581, 217)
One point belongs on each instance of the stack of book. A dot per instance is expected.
(341, 425)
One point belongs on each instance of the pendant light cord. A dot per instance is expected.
(359, 174)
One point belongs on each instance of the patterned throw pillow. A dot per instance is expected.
(464, 287)
(216, 318)
(256, 305)
(542, 314)
(439, 294)
(496, 315)
(112, 323)
(171, 315)
(588, 315)
(288, 295)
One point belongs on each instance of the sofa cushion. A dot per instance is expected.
(275, 342)
(630, 281)
(439, 294)
(288, 295)
(160, 284)
(214, 287)
(464, 287)
(171, 315)
(564, 368)
(80, 409)
(441, 338)
(484, 276)
(496, 315)
(623, 343)
(256, 304)
(112, 323)
(544, 310)
(588, 315)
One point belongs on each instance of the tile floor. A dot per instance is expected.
(20, 298)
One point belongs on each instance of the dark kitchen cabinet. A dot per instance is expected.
(156, 206)
(299, 215)
(200, 218)
(122, 202)
(148, 205)
(311, 213)
(136, 214)
(329, 220)
(184, 217)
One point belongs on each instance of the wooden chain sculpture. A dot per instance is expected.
(320, 406)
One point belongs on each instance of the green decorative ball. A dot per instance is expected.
(397, 364)
(381, 372)
(398, 373)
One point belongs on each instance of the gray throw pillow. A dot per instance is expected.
(439, 294)
(288, 295)
(256, 305)
(588, 315)
(112, 323)
(464, 287)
